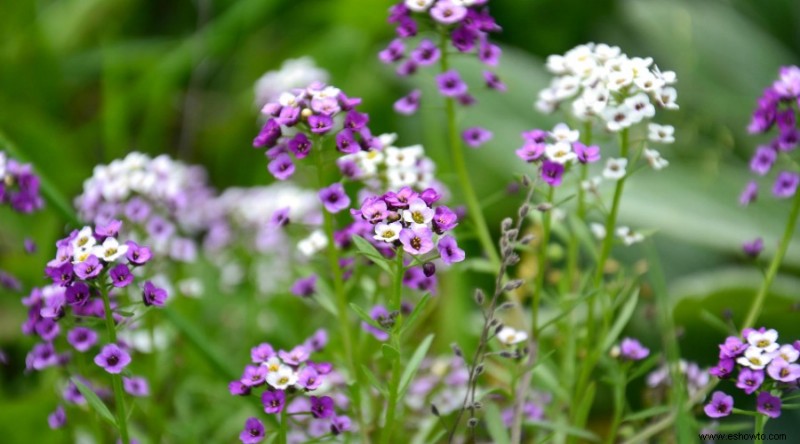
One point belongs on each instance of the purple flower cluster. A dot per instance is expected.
(631, 350)
(19, 187)
(302, 115)
(555, 151)
(285, 375)
(776, 108)
(467, 24)
(696, 378)
(762, 366)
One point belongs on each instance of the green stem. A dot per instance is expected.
(761, 422)
(619, 405)
(116, 379)
(459, 163)
(774, 266)
(394, 385)
(284, 427)
(542, 265)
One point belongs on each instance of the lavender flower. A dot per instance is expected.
(334, 198)
(450, 84)
(273, 401)
(305, 287)
(19, 187)
(121, 276)
(768, 405)
(136, 386)
(57, 419)
(82, 338)
(720, 406)
(253, 432)
(113, 359)
(153, 296)
(281, 166)
(449, 251)
(322, 407)
(749, 193)
(786, 184)
(476, 136)
(750, 380)
(633, 350)
(753, 248)
(408, 104)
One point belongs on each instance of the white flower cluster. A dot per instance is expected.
(600, 80)
(294, 73)
(390, 167)
(627, 235)
(763, 348)
(85, 245)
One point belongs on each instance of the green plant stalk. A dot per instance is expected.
(547, 218)
(116, 379)
(394, 384)
(774, 266)
(619, 404)
(574, 244)
(761, 423)
(283, 428)
(459, 163)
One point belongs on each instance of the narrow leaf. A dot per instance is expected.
(413, 364)
(95, 402)
(494, 424)
(409, 322)
(622, 320)
(365, 316)
(372, 253)
(374, 381)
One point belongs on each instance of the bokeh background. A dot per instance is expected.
(83, 82)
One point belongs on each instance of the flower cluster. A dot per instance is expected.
(293, 73)
(300, 116)
(160, 199)
(601, 81)
(19, 187)
(555, 151)
(285, 376)
(763, 366)
(630, 350)
(696, 378)
(467, 24)
(776, 108)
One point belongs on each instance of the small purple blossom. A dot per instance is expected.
(57, 419)
(77, 294)
(750, 380)
(334, 198)
(295, 356)
(768, 405)
(236, 388)
(449, 251)
(720, 406)
(305, 287)
(633, 350)
(262, 353)
(444, 219)
(732, 347)
(586, 154)
(552, 173)
(269, 134)
(786, 184)
(320, 124)
(340, 424)
(450, 84)
(723, 369)
(136, 254)
(783, 371)
(82, 338)
(426, 53)
(300, 145)
(753, 248)
(493, 81)
(153, 296)
(309, 378)
(112, 358)
(89, 269)
(273, 401)
(136, 386)
(379, 313)
(408, 104)
(30, 245)
(254, 375)
(281, 167)
(448, 12)
(253, 432)
(322, 407)
(121, 276)
(476, 136)
(531, 151)
(749, 193)
(393, 52)
(489, 53)
(762, 160)
(417, 240)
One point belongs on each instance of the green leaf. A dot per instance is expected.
(372, 253)
(409, 322)
(565, 429)
(389, 353)
(480, 265)
(582, 412)
(413, 364)
(365, 316)
(648, 413)
(622, 320)
(494, 424)
(374, 381)
(95, 402)
(715, 322)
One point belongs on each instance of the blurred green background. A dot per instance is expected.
(85, 81)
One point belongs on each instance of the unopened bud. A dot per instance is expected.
(544, 207)
(506, 306)
(526, 182)
(524, 210)
(507, 354)
(457, 350)
(512, 259)
(480, 298)
(472, 423)
(506, 224)
(513, 285)
(434, 410)
(526, 239)
(429, 269)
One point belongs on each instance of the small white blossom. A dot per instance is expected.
(314, 243)
(110, 251)
(563, 133)
(766, 342)
(628, 236)
(84, 240)
(615, 168)
(641, 106)
(272, 364)
(788, 353)
(591, 185)
(282, 379)
(660, 133)
(509, 336)
(419, 5)
(388, 232)
(418, 212)
(2, 165)
(655, 160)
(560, 152)
(598, 230)
(400, 158)
(667, 97)
(755, 358)
(619, 117)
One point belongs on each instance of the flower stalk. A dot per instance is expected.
(394, 384)
(116, 379)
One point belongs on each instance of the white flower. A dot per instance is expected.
(648, 82)
(555, 64)
(110, 251)
(766, 342)
(560, 152)
(293, 73)
(605, 52)
(401, 158)
(755, 358)
(386, 140)
(388, 232)
(314, 243)
(581, 110)
(641, 106)
(619, 79)
(591, 184)
(2, 165)
(788, 353)
(596, 98)
(509, 336)
(272, 364)
(660, 133)
(566, 87)
(418, 212)
(655, 160)
(562, 133)
(615, 168)
(628, 236)
(399, 178)
(84, 241)
(668, 77)
(283, 378)
(547, 102)
(191, 287)
(598, 230)
(667, 97)
(618, 117)
(419, 5)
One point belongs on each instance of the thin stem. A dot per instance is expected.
(394, 384)
(761, 422)
(284, 427)
(547, 217)
(459, 163)
(619, 405)
(774, 266)
(116, 379)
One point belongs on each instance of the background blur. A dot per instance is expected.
(83, 82)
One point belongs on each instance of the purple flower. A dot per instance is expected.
(77, 294)
(449, 251)
(30, 246)
(494, 82)
(732, 347)
(406, 27)
(444, 219)
(782, 371)
(296, 356)
(72, 395)
(753, 248)
(305, 287)
(633, 350)
(89, 269)
(721, 405)
(488, 53)
(112, 358)
(340, 424)
(407, 68)
(236, 388)
(42, 356)
(137, 210)
(374, 210)
(152, 295)
(57, 419)
(327, 106)
(136, 254)
(750, 380)
(262, 353)
(300, 145)
(269, 134)
(321, 407)
(273, 401)
(447, 12)
(309, 378)
(121, 276)
(463, 38)
(334, 198)
(317, 341)
(723, 369)
(450, 84)
(54, 306)
(476, 136)
(786, 184)
(749, 193)
(9, 282)
(586, 154)
(409, 104)
(111, 229)
(552, 173)
(417, 240)
(82, 338)
(531, 151)
(393, 52)
(289, 116)
(320, 124)
(355, 120)
(762, 160)
(281, 167)
(254, 375)
(768, 405)
(47, 329)
(136, 386)
(426, 53)
(379, 313)
(788, 139)
(401, 198)
(253, 432)
(346, 142)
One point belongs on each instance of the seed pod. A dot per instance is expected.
(506, 224)
(524, 210)
(472, 422)
(457, 350)
(526, 239)
(513, 285)
(544, 207)
(434, 410)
